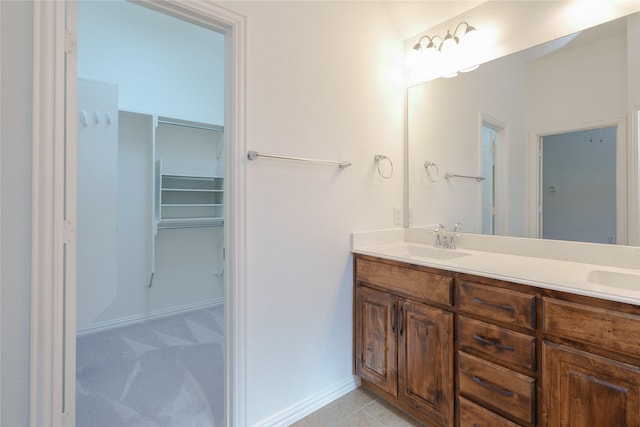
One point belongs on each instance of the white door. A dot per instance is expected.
(579, 185)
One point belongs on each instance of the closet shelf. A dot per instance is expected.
(166, 205)
(200, 190)
(190, 201)
(190, 223)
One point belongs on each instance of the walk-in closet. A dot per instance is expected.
(150, 234)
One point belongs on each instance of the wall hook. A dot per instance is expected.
(84, 120)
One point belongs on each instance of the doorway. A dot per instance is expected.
(489, 145)
(494, 152)
(150, 211)
(617, 193)
(579, 185)
(53, 320)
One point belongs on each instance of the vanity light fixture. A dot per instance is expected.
(438, 49)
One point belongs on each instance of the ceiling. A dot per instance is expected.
(414, 17)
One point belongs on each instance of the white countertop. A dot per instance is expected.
(611, 282)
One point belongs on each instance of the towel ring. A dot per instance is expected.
(379, 158)
(427, 166)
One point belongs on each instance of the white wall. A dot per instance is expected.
(578, 86)
(98, 193)
(155, 60)
(319, 84)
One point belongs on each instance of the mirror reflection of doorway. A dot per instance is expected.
(489, 142)
(150, 273)
(579, 185)
(494, 152)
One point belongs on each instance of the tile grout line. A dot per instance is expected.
(361, 408)
(382, 421)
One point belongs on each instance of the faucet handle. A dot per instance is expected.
(436, 230)
(456, 228)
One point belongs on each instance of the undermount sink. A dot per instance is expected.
(408, 250)
(614, 279)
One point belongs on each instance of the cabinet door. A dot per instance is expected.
(584, 390)
(425, 360)
(376, 339)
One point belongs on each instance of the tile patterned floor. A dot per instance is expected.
(359, 408)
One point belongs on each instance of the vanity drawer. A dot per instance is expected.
(497, 387)
(502, 305)
(609, 329)
(472, 415)
(512, 348)
(407, 282)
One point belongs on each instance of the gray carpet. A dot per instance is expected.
(162, 372)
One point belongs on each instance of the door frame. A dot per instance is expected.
(53, 299)
(535, 175)
(502, 177)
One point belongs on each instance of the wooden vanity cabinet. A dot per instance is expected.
(459, 349)
(590, 364)
(403, 344)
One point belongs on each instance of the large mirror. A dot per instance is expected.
(534, 144)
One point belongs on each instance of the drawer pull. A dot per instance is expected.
(393, 318)
(505, 307)
(496, 344)
(492, 387)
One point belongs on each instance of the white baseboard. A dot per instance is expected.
(311, 404)
(129, 320)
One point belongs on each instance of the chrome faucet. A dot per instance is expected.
(440, 241)
(457, 227)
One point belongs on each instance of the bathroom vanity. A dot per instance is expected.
(455, 344)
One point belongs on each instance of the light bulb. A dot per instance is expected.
(431, 52)
(470, 33)
(473, 67)
(413, 57)
(449, 43)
